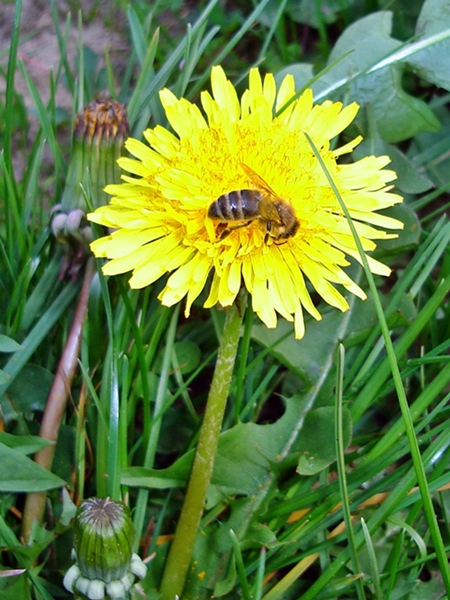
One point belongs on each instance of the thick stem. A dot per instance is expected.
(57, 400)
(180, 553)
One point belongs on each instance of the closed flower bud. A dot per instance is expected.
(99, 133)
(106, 567)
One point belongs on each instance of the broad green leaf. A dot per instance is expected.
(313, 14)
(248, 451)
(398, 115)
(226, 584)
(428, 589)
(14, 587)
(26, 444)
(409, 179)
(407, 237)
(27, 393)
(63, 461)
(317, 442)
(212, 550)
(4, 377)
(37, 335)
(405, 312)
(7, 344)
(431, 151)
(365, 318)
(21, 474)
(307, 356)
(432, 63)
(188, 356)
(174, 476)
(302, 73)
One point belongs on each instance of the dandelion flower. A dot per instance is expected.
(162, 223)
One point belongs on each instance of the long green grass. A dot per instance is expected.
(332, 474)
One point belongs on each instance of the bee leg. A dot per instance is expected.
(222, 231)
(268, 231)
(226, 232)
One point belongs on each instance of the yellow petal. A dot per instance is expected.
(160, 210)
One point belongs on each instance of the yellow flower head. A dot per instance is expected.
(240, 196)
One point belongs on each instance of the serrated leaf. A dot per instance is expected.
(398, 115)
(251, 456)
(69, 509)
(7, 344)
(21, 474)
(317, 443)
(245, 454)
(432, 63)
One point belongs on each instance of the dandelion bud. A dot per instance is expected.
(99, 133)
(105, 567)
(100, 130)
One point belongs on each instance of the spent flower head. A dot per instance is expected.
(237, 194)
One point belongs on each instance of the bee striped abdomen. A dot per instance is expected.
(238, 205)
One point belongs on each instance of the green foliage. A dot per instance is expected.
(430, 62)
(272, 526)
(21, 474)
(317, 444)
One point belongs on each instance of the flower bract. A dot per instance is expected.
(105, 567)
(233, 195)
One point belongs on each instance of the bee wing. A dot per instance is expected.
(267, 208)
(259, 182)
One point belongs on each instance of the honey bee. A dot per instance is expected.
(250, 204)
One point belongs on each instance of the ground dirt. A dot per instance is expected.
(39, 49)
(104, 29)
(40, 54)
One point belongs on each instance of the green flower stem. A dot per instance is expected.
(57, 400)
(180, 553)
